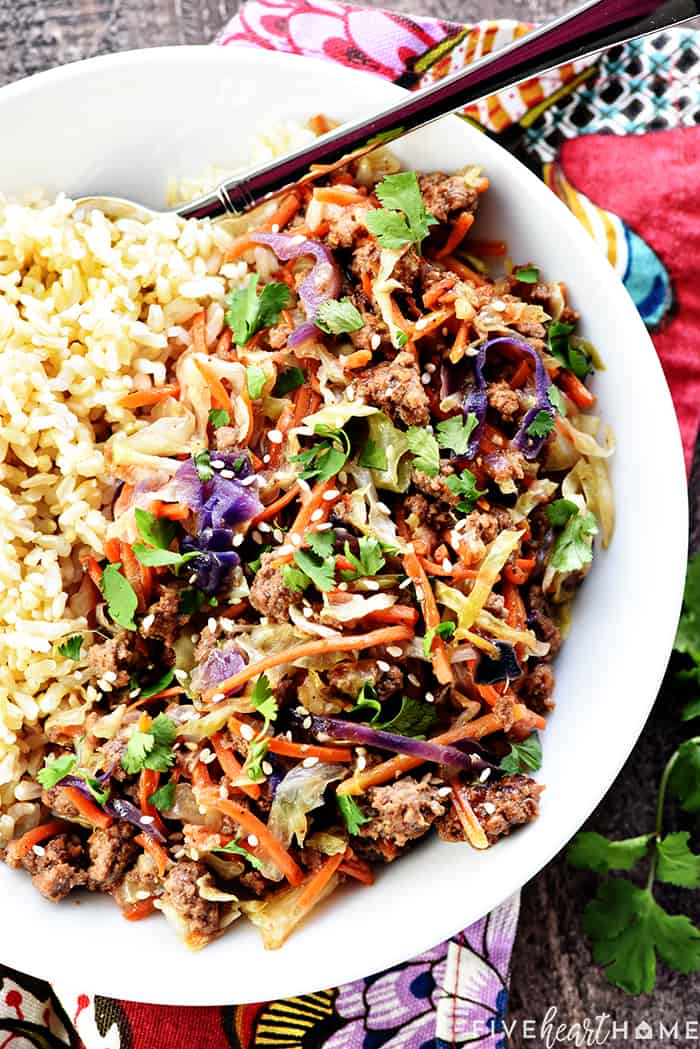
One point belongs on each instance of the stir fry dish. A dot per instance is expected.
(345, 533)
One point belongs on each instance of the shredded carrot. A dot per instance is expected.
(148, 784)
(489, 694)
(576, 390)
(395, 614)
(87, 808)
(459, 346)
(201, 780)
(231, 766)
(481, 184)
(314, 501)
(317, 882)
(219, 396)
(357, 359)
(286, 748)
(456, 571)
(284, 424)
(167, 693)
(112, 550)
(286, 210)
(430, 322)
(460, 228)
(252, 825)
(464, 271)
(272, 509)
(239, 247)
(339, 195)
(316, 647)
(234, 610)
(155, 850)
(521, 374)
(366, 282)
(518, 571)
(473, 830)
(372, 777)
(173, 511)
(94, 570)
(35, 836)
(142, 398)
(132, 571)
(135, 912)
(199, 332)
(358, 869)
(435, 292)
(431, 615)
(223, 346)
(487, 248)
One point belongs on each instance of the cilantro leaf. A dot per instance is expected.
(444, 630)
(373, 456)
(401, 338)
(55, 770)
(572, 550)
(367, 700)
(556, 400)
(351, 812)
(257, 749)
(247, 313)
(629, 929)
(413, 719)
(320, 570)
(202, 464)
(71, 648)
(465, 485)
(120, 596)
(321, 543)
(593, 852)
(157, 686)
(219, 417)
(455, 433)
(692, 707)
(157, 531)
(337, 316)
(288, 380)
(425, 449)
(566, 350)
(676, 863)
(684, 781)
(527, 274)
(190, 601)
(688, 634)
(263, 699)
(323, 460)
(295, 579)
(370, 559)
(559, 512)
(238, 850)
(541, 425)
(164, 797)
(403, 219)
(255, 379)
(523, 757)
(158, 558)
(151, 749)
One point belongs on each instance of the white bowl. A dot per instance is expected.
(120, 125)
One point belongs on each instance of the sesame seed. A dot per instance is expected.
(308, 763)
(372, 584)
(419, 593)
(307, 722)
(375, 342)
(148, 621)
(228, 474)
(253, 840)
(257, 538)
(383, 508)
(204, 754)
(265, 527)
(134, 693)
(383, 666)
(147, 820)
(298, 239)
(444, 792)
(223, 791)
(302, 710)
(218, 464)
(227, 626)
(104, 686)
(405, 583)
(266, 458)
(191, 746)
(194, 853)
(395, 651)
(430, 368)
(421, 323)
(498, 306)
(247, 732)
(360, 750)
(194, 638)
(142, 894)
(158, 903)
(238, 538)
(217, 697)
(325, 527)
(317, 515)
(361, 763)
(286, 549)
(350, 392)
(110, 675)
(247, 481)
(267, 768)
(429, 697)
(38, 850)
(343, 477)
(178, 856)
(278, 535)
(447, 564)
(484, 775)
(208, 760)
(342, 586)
(275, 227)
(330, 495)
(295, 539)
(425, 378)
(288, 735)
(308, 611)
(211, 624)
(275, 437)
(414, 680)
(304, 485)
(202, 810)
(489, 807)
(193, 578)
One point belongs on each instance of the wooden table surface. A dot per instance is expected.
(552, 965)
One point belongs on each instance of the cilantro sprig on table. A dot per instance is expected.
(403, 219)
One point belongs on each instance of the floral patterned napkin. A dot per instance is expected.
(618, 140)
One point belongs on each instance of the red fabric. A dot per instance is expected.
(651, 181)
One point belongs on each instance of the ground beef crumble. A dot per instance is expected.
(498, 806)
(270, 595)
(203, 917)
(400, 812)
(395, 387)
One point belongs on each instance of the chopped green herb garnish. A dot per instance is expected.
(295, 579)
(71, 648)
(263, 699)
(464, 485)
(219, 417)
(455, 433)
(527, 274)
(237, 850)
(323, 460)
(157, 531)
(322, 543)
(338, 316)
(202, 464)
(255, 378)
(190, 601)
(573, 549)
(559, 512)
(55, 770)
(444, 630)
(541, 425)
(556, 400)
(163, 798)
(152, 749)
(320, 570)
(373, 457)
(370, 559)
(401, 338)
(403, 219)
(288, 380)
(247, 313)
(257, 750)
(523, 757)
(163, 682)
(160, 558)
(351, 812)
(562, 347)
(120, 596)
(425, 449)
